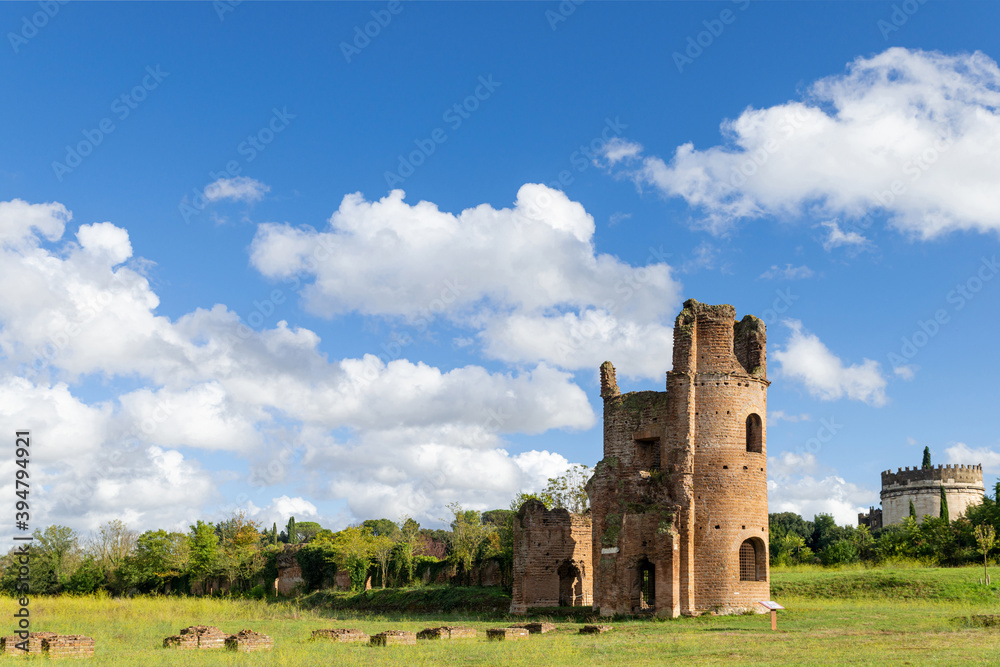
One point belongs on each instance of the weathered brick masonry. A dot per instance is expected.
(552, 562)
(679, 501)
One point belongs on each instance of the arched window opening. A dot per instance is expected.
(755, 433)
(752, 561)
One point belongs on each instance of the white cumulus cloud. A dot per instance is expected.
(806, 359)
(913, 133)
(240, 188)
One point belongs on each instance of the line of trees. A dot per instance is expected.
(932, 539)
(241, 555)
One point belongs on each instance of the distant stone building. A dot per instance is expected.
(872, 518)
(963, 487)
(678, 515)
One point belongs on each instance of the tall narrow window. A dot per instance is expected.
(748, 561)
(755, 433)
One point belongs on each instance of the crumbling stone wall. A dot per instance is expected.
(679, 501)
(552, 562)
(289, 572)
(963, 487)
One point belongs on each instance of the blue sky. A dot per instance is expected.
(202, 243)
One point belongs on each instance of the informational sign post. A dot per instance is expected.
(774, 607)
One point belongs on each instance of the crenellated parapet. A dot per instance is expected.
(951, 473)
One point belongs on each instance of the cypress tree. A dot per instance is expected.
(944, 505)
(913, 510)
(274, 533)
(293, 537)
(926, 465)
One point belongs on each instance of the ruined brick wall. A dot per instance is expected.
(872, 518)
(289, 573)
(963, 486)
(552, 564)
(682, 488)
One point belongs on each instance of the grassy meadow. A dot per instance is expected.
(909, 616)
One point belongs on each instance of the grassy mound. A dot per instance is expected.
(928, 583)
(418, 600)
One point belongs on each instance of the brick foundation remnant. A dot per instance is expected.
(394, 638)
(248, 640)
(31, 646)
(506, 634)
(341, 635)
(447, 632)
(536, 628)
(68, 646)
(594, 629)
(197, 637)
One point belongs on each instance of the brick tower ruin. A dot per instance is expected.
(679, 502)
(962, 485)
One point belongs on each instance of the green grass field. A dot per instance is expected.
(905, 616)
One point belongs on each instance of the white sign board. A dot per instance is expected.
(770, 604)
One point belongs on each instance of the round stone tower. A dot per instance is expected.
(720, 368)
(962, 486)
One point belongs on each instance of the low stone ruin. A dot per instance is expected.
(536, 628)
(340, 635)
(506, 634)
(9, 645)
(68, 646)
(594, 629)
(394, 638)
(447, 632)
(248, 640)
(197, 637)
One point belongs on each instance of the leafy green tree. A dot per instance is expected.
(568, 490)
(944, 505)
(240, 556)
(274, 534)
(307, 530)
(986, 539)
(407, 541)
(59, 544)
(825, 532)
(926, 464)
(468, 535)
(159, 556)
(840, 552)
(379, 527)
(87, 578)
(204, 558)
(381, 551)
(293, 533)
(913, 510)
(353, 551)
